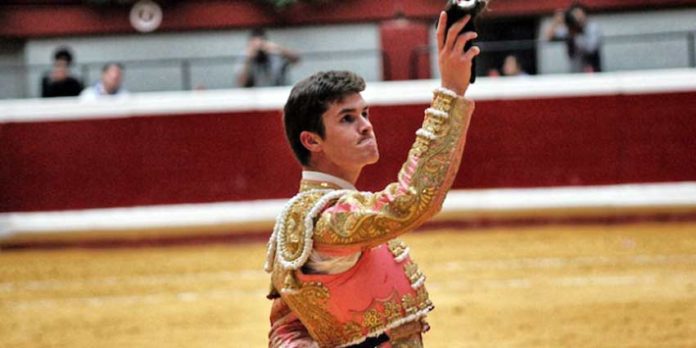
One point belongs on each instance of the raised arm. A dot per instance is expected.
(556, 29)
(362, 220)
(287, 53)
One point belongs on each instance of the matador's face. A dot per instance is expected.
(349, 141)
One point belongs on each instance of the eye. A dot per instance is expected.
(347, 118)
(366, 114)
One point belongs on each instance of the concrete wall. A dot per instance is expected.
(12, 76)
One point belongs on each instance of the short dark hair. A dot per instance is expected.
(308, 101)
(258, 32)
(570, 20)
(63, 53)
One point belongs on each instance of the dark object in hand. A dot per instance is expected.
(456, 10)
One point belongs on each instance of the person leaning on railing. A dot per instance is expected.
(582, 37)
(265, 62)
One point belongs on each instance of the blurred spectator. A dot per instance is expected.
(58, 82)
(512, 66)
(108, 85)
(582, 38)
(266, 63)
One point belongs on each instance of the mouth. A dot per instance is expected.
(365, 140)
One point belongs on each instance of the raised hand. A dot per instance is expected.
(454, 62)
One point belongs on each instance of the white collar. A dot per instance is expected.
(319, 176)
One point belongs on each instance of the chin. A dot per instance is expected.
(368, 160)
(373, 159)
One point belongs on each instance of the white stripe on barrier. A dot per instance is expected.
(377, 93)
(264, 211)
(611, 196)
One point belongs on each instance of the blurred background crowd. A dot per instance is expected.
(577, 191)
(111, 47)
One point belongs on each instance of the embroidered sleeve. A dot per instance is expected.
(362, 219)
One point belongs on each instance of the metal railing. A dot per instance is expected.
(20, 81)
(607, 42)
(188, 73)
(689, 36)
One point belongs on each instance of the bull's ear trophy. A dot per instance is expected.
(456, 10)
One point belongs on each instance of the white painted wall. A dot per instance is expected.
(12, 77)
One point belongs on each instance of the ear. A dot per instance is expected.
(311, 141)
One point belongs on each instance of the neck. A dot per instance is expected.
(350, 176)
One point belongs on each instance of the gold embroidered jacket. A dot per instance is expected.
(341, 222)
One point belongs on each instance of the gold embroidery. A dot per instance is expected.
(397, 247)
(352, 330)
(293, 235)
(442, 102)
(423, 299)
(412, 272)
(392, 311)
(374, 219)
(373, 319)
(306, 185)
(409, 342)
(310, 303)
(437, 126)
(429, 172)
(409, 304)
(419, 148)
(290, 283)
(293, 232)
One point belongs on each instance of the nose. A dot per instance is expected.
(365, 126)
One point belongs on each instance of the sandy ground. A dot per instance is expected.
(631, 285)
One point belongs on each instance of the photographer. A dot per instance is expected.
(266, 62)
(582, 38)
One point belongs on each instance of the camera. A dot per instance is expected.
(571, 21)
(574, 18)
(456, 10)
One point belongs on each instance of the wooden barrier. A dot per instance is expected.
(176, 148)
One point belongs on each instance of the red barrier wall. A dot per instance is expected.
(143, 161)
(194, 158)
(397, 39)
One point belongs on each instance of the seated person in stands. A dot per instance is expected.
(512, 66)
(110, 83)
(58, 82)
